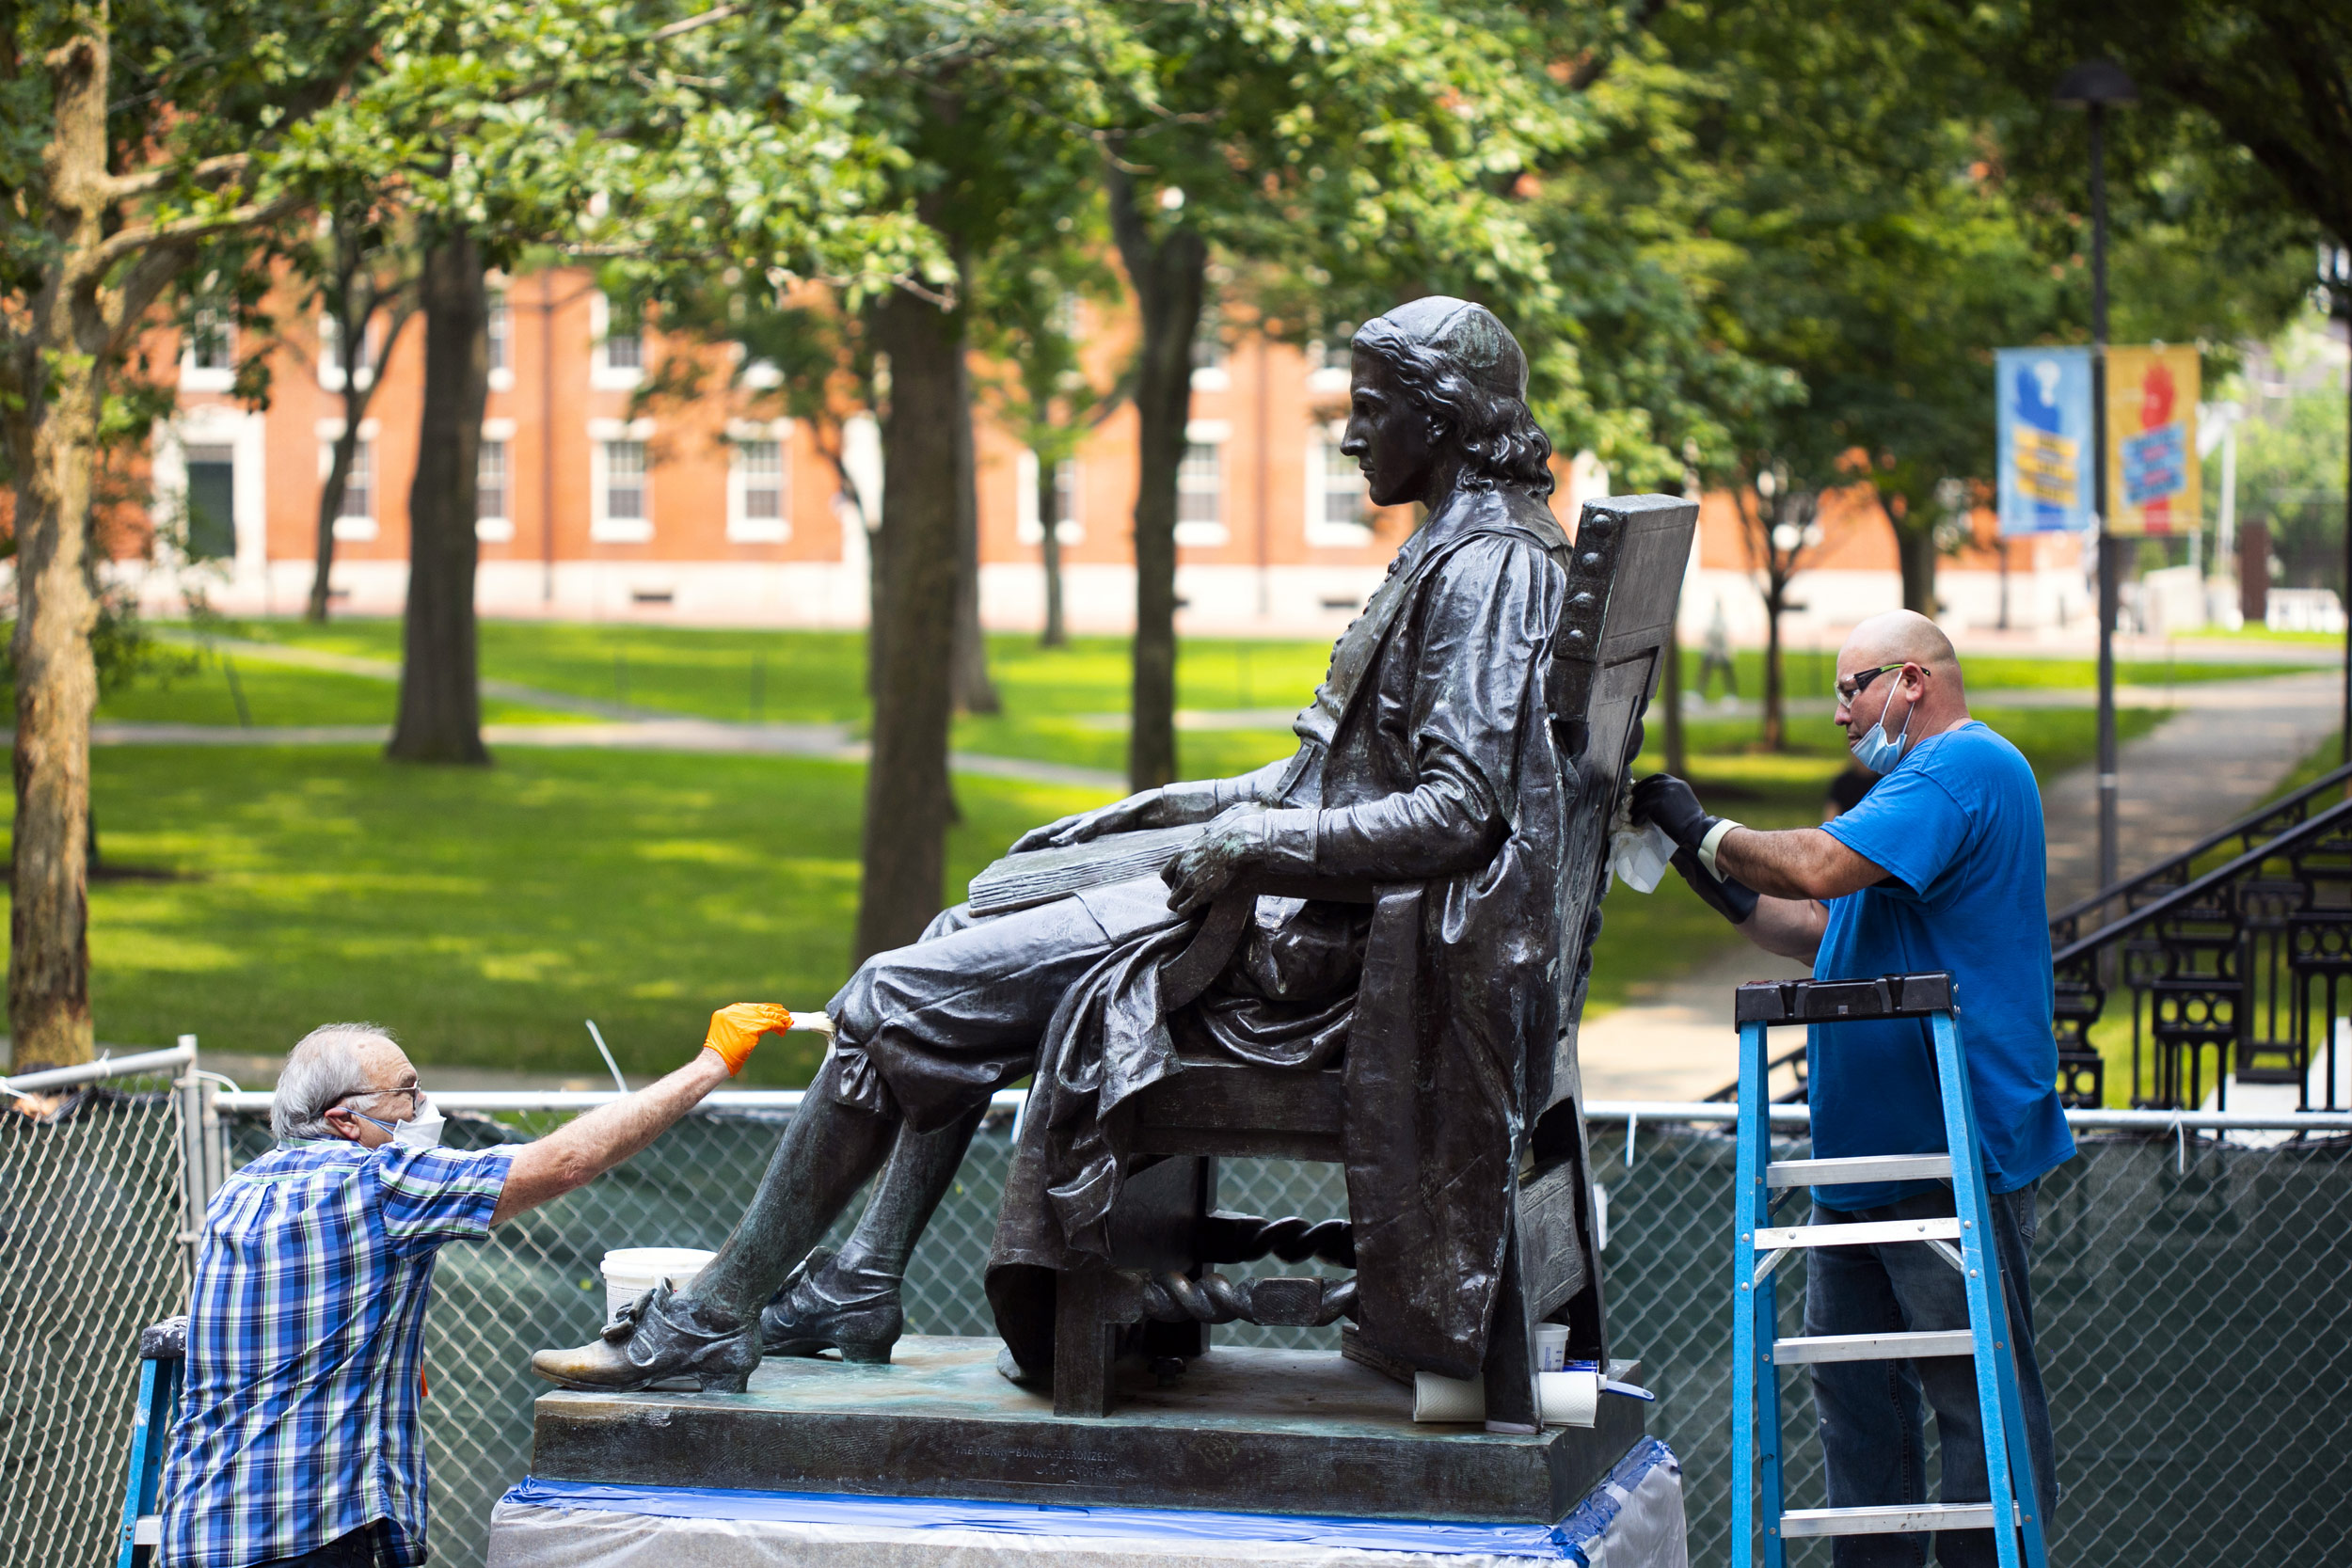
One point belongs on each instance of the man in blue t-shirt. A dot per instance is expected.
(1938, 866)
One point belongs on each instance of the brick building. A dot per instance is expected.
(598, 504)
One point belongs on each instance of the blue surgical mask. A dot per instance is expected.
(1876, 751)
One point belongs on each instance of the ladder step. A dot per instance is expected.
(1885, 1521)
(1860, 1233)
(1874, 1347)
(1867, 1168)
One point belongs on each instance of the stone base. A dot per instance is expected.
(1253, 1431)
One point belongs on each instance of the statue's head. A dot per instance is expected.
(1439, 400)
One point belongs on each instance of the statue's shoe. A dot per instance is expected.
(828, 1305)
(656, 1337)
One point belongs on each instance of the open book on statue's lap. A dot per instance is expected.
(1041, 876)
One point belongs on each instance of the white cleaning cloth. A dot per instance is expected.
(1639, 855)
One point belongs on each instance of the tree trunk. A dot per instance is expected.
(53, 436)
(908, 803)
(974, 693)
(1916, 548)
(1171, 281)
(351, 326)
(1049, 551)
(440, 696)
(1775, 601)
(57, 689)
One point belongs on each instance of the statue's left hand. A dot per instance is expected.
(1213, 861)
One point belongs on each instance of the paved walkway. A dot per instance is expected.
(2226, 747)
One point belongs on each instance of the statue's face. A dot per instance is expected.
(1389, 433)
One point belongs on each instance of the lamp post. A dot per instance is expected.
(2335, 276)
(2095, 86)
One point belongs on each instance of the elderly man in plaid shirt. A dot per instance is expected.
(298, 1441)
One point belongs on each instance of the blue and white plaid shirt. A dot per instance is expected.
(300, 1418)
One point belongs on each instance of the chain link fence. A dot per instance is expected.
(2191, 1296)
(90, 1215)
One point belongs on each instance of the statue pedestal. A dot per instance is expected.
(1297, 1433)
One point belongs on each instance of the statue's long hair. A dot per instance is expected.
(1505, 444)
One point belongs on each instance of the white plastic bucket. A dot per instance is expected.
(630, 1272)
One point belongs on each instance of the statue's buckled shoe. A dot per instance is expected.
(827, 1305)
(658, 1335)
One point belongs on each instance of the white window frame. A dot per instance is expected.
(742, 527)
(1071, 529)
(208, 378)
(354, 526)
(1323, 533)
(1201, 535)
(496, 528)
(1211, 378)
(331, 361)
(617, 530)
(213, 425)
(499, 328)
(603, 374)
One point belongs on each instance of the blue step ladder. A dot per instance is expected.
(1962, 1240)
(163, 1349)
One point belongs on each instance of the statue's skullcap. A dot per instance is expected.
(1461, 330)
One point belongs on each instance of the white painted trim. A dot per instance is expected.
(213, 380)
(332, 430)
(616, 530)
(603, 376)
(1208, 433)
(1211, 378)
(243, 432)
(743, 529)
(1327, 381)
(1070, 530)
(494, 530)
(497, 429)
(1321, 532)
(356, 530)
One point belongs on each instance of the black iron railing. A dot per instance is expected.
(2242, 966)
(2236, 970)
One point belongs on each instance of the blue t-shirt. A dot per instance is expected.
(1959, 822)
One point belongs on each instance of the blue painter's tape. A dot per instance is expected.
(1562, 1542)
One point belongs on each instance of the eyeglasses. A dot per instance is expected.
(1847, 695)
(414, 1091)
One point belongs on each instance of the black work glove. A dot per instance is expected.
(1730, 897)
(1674, 807)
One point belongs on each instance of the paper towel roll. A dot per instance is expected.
(1565, 1399)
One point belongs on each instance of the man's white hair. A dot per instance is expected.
(322, 1071)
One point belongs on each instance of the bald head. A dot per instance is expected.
(1899, 635)
(1929, 682)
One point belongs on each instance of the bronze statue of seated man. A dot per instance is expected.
(1426, 758)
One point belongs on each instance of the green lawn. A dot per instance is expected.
(1809, 671)
(486, 913)
(202, 687)
(483, 914)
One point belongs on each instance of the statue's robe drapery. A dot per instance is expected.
(1429, 762)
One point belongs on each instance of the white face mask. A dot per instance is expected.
(422, 1131)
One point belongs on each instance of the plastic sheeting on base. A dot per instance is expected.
(1633, 1519)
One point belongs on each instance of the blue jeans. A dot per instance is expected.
(1871, 1433)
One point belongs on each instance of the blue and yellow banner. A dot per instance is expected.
(2044, 438)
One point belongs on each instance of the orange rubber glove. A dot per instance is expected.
(734, 1030)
